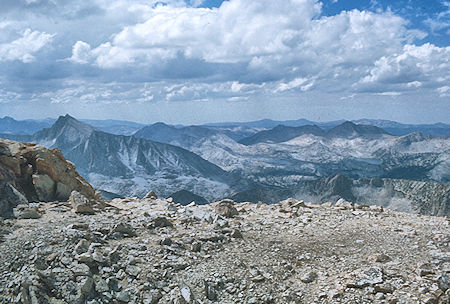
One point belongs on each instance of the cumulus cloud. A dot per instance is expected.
(151, 51)
(237, 31)
(272, 42)
(295, 83)
(81, 52)
(412, 67)
(24, 47)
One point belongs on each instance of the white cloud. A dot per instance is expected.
(237, 31)
(389, 94)
(139, 51)
(24, 47)
(295, 83)
(81, 52)
(273, 41)
(412, 67)
(444, 91)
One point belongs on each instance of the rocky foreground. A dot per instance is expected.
(155, 251)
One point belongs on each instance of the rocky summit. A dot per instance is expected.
(153, 250)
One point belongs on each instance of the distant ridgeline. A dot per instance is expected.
(260, 161)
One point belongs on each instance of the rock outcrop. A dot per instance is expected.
(31, 173)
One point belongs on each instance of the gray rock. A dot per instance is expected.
(161, 221)
(26, 212)
(186, 293)
(152, 297)
(367, 277)
(196, 247)
(124, 228)
(100, 284)
(308, 277)
(236, 234)
(151, 195)
(62, 191)
(380, 258)
(226, 208)
(86, 285)
(45, 187)
(443, 282)
(123, 296)
(210, 291)
(10, 197)
(132, 270)
(200, 214)
(384, 288)
(80, 203)
(81, 270)
(166, 241)
(81, 247)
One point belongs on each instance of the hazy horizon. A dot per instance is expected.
(215, 122)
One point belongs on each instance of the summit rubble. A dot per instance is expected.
(155, 251)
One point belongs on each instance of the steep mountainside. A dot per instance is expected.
(130, 166)
(280, 158)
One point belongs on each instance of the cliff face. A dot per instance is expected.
(31, 173)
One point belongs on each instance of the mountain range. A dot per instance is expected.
(210, 162)
(128, 165)
(235, 130)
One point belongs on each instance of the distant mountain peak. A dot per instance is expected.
(67, 129)
(349, 129)
(8, 118)
(281, 133)
(68, 120)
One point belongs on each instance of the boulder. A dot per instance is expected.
(151, 195)
(45, 187)
(226, 208)
(31, 173)
(80, 203)
(161, 222)
(10, 197)
(124, 228)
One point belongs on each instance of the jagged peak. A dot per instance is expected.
(65, 124)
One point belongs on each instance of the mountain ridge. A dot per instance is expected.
(132, 164)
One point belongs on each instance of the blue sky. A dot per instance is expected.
(205, 61)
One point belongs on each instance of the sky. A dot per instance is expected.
(197, 61)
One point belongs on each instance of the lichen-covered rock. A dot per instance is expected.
(38, 174)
